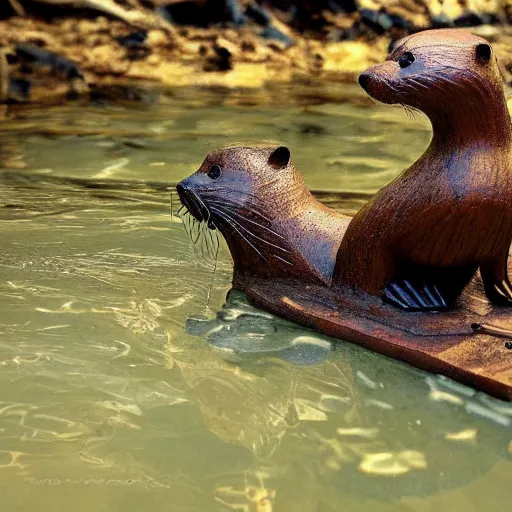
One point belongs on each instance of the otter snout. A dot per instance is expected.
(377, 81)
(191, 200)
(364, 79)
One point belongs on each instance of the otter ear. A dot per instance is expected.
(280, 158)
(483, 53)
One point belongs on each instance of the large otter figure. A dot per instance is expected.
(423, 237)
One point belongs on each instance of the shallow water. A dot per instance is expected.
(122, 389)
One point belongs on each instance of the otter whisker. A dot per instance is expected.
(192, 227)
(409, 81)
(215, 259)
(223, 217)
(250, 233)
(188, 224)
(243, 194)
(408, 110)
(185, 218)
(246, 196)
(181, 211)
(236, 207)
(211, 241)
(283, 260)
(204, 240)
(232, 211)
(195, 230)
(204, 206)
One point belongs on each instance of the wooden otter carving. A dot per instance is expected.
(272, 224)
(418, 244)
(421, 239)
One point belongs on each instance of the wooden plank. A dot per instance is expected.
(442, 343)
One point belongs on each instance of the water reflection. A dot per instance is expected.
(355, 414)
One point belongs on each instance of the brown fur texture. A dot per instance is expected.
(450, 213)
(272, 224)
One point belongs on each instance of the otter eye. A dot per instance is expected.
(483, 53)
(215, 172)
(406, 60)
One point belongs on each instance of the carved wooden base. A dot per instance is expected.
(444, 342)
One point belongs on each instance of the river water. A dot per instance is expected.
(127, 384)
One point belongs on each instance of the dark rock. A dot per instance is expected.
(136, 46)
(305, 8)
(186, 13)
(441, 21)
(12, 58)
(350, 34)
(19, 89)
(221, 60)
(6, 10)
(400, 22)
(474, 19)
(133, 40)
(346, 6)
(55, 63)
(379, 22)
(213, 11)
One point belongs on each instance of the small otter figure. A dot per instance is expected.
(272, 224)
(422, 238)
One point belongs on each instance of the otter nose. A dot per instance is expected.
(180, 189)
(183, 192)
(363, 80)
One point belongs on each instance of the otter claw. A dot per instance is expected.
(506, 288)
(394, 294)
(502, 295)
(407, 296)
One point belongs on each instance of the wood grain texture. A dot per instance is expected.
(450, 213)
(442, 228)
(273, 225)
(440, 343)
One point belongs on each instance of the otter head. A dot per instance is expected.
(246, 192)
(436, 70)
(249, 179)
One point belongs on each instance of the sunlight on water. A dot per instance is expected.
(121, 389)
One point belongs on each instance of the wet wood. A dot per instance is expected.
(441, 343)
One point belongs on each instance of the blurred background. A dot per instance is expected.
(56, 48)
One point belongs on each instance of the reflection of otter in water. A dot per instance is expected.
(272, 224)
(335, 425)
(421, 239)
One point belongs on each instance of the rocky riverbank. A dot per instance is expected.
(55, 49)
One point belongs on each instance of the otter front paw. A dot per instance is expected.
(414, 297)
